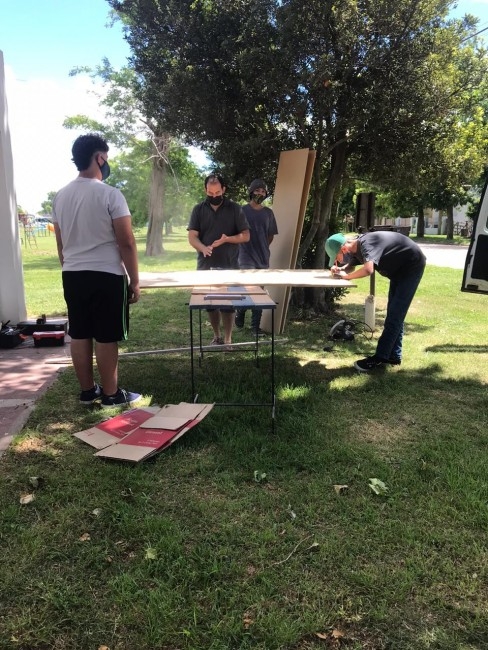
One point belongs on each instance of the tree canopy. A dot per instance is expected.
(374, 86)
(155, 172)
(131, 173)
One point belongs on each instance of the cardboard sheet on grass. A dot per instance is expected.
(139, 433)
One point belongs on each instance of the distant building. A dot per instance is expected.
(435, 222)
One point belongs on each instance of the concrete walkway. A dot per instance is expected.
(25, 375)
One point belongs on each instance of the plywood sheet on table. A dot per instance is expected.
(268, 277)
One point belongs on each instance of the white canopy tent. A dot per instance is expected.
(12, 296)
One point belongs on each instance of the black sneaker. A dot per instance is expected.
(89, 396)
(121, 398)
(370, 363)
(394, 362)
(239, 319)
(258, 332)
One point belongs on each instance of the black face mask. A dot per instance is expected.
(257, 198)
(215, 200)
(105, 169)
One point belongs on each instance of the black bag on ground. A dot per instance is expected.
(10, 337)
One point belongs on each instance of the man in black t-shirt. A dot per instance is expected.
(396, 257)
(216, 228)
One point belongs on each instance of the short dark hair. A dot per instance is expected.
(215, 178)
(84, 147)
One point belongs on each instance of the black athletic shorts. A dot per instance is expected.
(98, 306)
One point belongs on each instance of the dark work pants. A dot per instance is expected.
(400, 295)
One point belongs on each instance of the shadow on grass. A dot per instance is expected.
(452, 347)
(45, 262)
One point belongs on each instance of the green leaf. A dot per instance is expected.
(378, 486)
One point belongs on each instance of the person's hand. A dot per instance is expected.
(337, 270)
(134, 293)
(207, 251)
(218, 242)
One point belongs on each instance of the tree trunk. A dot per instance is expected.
(323, 198)
(450, 222)
(420, 221)
(154, 240)
(337, 167)
(308, 239)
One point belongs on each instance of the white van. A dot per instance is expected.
(475, 277)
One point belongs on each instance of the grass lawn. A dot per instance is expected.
(240, 538)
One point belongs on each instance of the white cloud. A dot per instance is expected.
(41, 147)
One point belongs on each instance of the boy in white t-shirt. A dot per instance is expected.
(98, 255)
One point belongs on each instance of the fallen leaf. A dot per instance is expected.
(85, 537)
(27, 498)
(341, 489)
(35, 481)
(151, 553)
(103, 647)
(377, 486)
(97, 512)
(334, 635)
(259, 477)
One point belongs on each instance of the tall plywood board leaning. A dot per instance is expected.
(290, 198)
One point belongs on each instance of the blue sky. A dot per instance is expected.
(478, 8)
(41, 41)
(50, 37)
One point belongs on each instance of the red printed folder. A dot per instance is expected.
(141, 432)
(144, 442)
(111, 431)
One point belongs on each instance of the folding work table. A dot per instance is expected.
(220, 281)
(217, 297)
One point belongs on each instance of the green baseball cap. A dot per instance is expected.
(333, 245)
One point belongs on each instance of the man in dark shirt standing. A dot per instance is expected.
(216, 228)
(396, 257)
